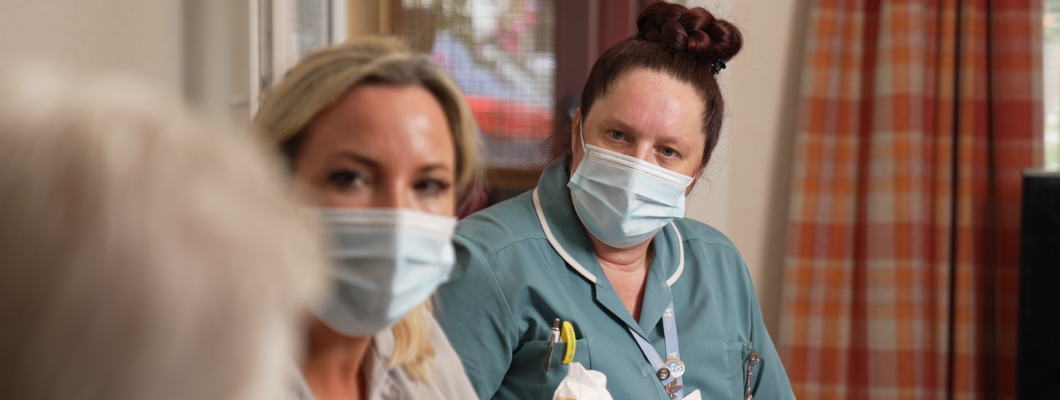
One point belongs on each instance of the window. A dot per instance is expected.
(504, 55)
(282, 31)
(500, 52)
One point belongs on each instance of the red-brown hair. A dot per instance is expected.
(688, 44)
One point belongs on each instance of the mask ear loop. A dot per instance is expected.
(581, 135)
(695, 178)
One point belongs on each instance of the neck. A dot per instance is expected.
(628, 259)
(627, 270)
(334, 364)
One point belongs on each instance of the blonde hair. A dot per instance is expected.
(145, 254)
(320, 79)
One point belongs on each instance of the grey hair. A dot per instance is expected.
(145, 254)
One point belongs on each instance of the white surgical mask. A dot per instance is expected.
(623, 200)
(387, 262)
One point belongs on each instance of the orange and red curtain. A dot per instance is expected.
(901, 272)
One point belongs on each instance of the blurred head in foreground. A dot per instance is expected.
(143, 254)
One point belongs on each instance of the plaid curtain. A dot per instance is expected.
(901, 273)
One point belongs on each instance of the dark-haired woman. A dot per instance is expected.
(663, 306)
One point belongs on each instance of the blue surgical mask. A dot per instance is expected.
(387, 262)
(623, 200)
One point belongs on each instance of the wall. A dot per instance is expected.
(198, 48)
(130, 36)
(752, 165)
(216, 57)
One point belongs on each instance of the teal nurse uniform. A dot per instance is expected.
(527, 261)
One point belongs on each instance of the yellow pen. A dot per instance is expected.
(568, 336)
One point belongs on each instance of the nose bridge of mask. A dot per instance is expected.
(383, 233)
(635, 168)
(632, 164)
(376, 219)
(355, 240)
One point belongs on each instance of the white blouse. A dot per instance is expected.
(450, 381)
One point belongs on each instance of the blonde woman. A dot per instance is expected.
(382, 144)
(143, 254)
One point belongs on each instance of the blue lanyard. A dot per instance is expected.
(672, 364)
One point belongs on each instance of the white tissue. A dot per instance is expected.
(582, 384)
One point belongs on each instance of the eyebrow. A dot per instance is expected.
(622, 125)
(375, 164)
(434, 167)
(356, 157)
(625, 127)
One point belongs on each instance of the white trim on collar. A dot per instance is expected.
(555, 243)
(681, 252)
(578, 267)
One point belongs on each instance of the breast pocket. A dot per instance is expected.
(739, 356)
(527, 374)
(718, 369)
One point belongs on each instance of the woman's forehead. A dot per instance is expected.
(649, 102)
(394, 124)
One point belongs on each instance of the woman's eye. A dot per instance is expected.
(668, 152)
(432, 187)
(616, 135)
(346, 179)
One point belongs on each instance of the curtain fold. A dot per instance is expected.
(901, 271)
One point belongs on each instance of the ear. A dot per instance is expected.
(699, 173)
(575, 130)
(695, 179)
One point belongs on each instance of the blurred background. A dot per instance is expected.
(522, 63)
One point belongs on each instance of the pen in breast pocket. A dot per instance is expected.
(752, 360)
(553, 338)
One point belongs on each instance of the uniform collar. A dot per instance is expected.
(568, 238)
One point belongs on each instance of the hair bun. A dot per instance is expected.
(694, 31)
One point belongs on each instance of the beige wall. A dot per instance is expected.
(762, 87)
(216, 58)
(198, 48)
(131, 36)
